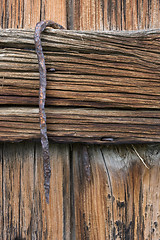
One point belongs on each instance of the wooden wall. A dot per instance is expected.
(121, 200)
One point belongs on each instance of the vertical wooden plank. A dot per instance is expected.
(54, 218)
(151, 206)
(45, 218)
(25, 211)
(124, 182)
(88, 14)
(27, 189)
(151, 193)
(122, 200)
(116, 15)
(26, 13)
(131, 14)
(11, 190)
(1, 191)
(135, 191)
(66, 184)
(92, 199)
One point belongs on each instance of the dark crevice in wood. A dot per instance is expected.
(69, 14)
(2, 187)
(111, 192)
(72, 198)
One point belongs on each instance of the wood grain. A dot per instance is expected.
(118, 200)
(24, 214)
(131, 211)
(121, 199)
(116, 14)
(26, 13)
(81, 125)
(82, 14)
(102, 70)
(24, 210)
(125, 205)
(1, 191)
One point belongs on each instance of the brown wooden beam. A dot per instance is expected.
(81, 125)
(105, 88)
(93, 69)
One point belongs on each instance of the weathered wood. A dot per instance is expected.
(132, 185)
(1, 190)
(24, 212)
(104, 70)
(82, 14)
(25, 14)
(122, 199)
(81, 125)
(135, 189)
(116, 15)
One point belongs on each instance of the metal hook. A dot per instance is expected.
(40, 27)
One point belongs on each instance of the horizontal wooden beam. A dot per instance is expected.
(118, 70)
(105, 88)
(81, 125)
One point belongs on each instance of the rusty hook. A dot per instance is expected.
(40, 27)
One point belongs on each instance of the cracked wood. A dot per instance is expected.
(81, 125)
(93, 69)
